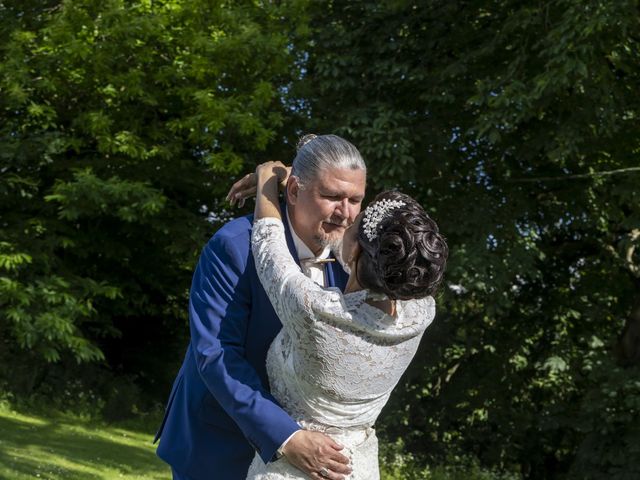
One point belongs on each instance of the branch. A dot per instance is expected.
(627, 349)
(629, 247)
(633, 268)
(577, 176)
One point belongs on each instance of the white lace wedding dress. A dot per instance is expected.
(336, 360)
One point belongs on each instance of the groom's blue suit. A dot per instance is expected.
(220, 411)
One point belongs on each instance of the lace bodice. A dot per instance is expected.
(337, 358)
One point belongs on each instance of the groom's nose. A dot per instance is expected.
(345, 210)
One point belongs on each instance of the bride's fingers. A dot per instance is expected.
(246, 186)
(284, 179)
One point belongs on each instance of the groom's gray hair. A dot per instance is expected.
(321, 152)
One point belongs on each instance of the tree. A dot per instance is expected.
(516, 124)
(122, 125)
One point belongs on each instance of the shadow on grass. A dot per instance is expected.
(67, 450)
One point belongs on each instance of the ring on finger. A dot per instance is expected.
(323, 472)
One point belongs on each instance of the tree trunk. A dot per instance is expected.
(627, 349)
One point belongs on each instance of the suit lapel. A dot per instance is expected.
(288, 236)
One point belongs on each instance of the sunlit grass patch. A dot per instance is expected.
(58, 446)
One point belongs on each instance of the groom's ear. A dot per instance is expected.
(293, 188)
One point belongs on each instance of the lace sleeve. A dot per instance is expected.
(292, 294)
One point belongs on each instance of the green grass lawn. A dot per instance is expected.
(59, 446)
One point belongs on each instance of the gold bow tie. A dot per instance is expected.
(310, 262)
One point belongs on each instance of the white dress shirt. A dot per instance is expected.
(314, 271)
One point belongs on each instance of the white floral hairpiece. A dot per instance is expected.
(374, 214)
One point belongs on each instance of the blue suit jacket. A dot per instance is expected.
(220, 411)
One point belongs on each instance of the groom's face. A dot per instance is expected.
(322, 209)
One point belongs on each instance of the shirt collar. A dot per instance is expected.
(303, 251)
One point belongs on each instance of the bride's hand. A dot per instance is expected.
(246, 186)
(269, 169)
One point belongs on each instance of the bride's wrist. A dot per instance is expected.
(267, 185)
(264, 175)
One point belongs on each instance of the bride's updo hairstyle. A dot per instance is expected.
(403, 254)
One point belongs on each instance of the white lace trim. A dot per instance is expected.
(337, 359)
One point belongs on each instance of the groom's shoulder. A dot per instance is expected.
(237, 226)
(236, 232)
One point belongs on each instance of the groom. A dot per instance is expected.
(220, 411)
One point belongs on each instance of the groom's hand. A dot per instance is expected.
(246, 186)
(315, 453)
(242, 189)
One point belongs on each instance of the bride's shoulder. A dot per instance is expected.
(426, 302)
(421, 308)
(327, 299)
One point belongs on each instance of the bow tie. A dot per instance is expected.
(319, 262)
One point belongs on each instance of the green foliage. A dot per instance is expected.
(121, 125)
(517, 126)
(397, 464)
(608, 421)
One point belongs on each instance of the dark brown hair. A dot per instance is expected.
(407, 258)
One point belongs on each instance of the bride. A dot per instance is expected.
(339, 355)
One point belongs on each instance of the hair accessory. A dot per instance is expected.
(305, 139)
(374, 214)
